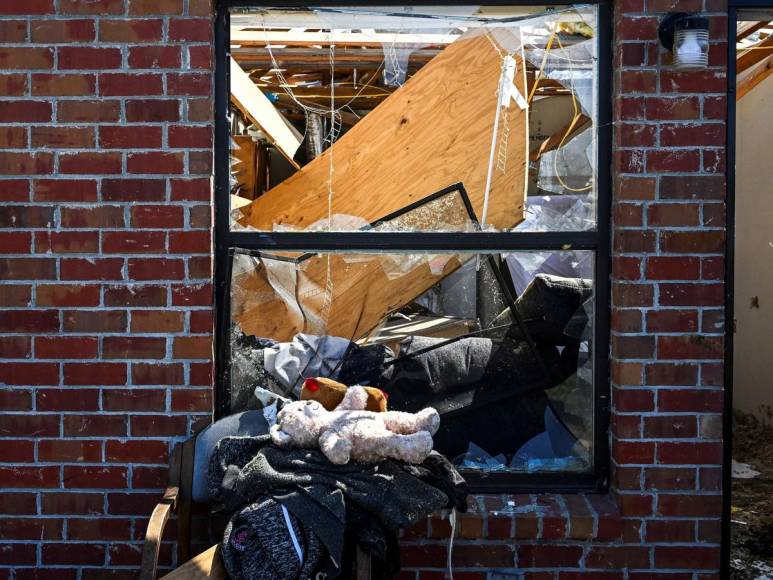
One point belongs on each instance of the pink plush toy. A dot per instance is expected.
(349, 432)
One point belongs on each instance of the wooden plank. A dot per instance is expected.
(184, 500)
(748, 28)
(246, 171)
(754, 78)
(755, 54)
(432, 132)
(290, 38)
(260, 111)
(207, 565)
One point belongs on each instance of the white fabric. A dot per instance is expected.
(306, 356)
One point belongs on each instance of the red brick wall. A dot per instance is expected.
(105, 297)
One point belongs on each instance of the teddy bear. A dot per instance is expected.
(330, 393)
(351, 433)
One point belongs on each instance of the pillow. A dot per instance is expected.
(248, 423)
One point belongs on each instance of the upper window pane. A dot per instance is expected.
(341, 117)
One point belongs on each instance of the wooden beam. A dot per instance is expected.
(755, 77)
(340, 39)
(755, 54)
(749, 28)
(260, 111)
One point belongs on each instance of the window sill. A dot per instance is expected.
(552, 516)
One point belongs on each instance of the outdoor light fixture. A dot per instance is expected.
(687, 37)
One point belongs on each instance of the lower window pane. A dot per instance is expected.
(500, 344)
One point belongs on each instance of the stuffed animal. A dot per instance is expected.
(349, 432)
(330, 394)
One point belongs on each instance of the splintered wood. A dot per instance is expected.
(432, 132)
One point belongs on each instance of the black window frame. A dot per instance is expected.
(599, 241)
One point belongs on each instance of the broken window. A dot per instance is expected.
(412, 201)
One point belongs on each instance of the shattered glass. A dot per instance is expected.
(499, 344)
(512, 180)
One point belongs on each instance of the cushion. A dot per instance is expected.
(553, 308)
(248, 423)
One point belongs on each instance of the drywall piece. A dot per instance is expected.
(260, 111)
(753, 252)
(432, 132)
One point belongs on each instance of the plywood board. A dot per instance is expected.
(434, 131)
(260, 111)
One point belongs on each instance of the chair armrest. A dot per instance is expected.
(155, 532)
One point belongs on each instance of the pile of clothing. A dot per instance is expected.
(296, 515)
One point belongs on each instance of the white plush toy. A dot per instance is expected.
(348, 432)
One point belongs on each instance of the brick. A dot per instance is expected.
(200, 57)
(133, 189)
(67, 400)
(156, 321)
(91, 269)
(93, 554)
(33, 321)
(67, 295)
(15, 347)
(27, 268)
(633, 452)
(712, 268)
(98, 477)
(631, 295)
(690, 347)
(90, 163)
(129, 137)
(133, 242)
(546, 556)
(672, 108)
(158, 56)
(83, 425)
(15, 295)
(18, 503)
(13, 31)
(148, 477)
(26, 58)
(20, 216)
(29, 477)
(634, 241)
(51, 31)
(617, 557)
(200, 267)
(697, 187)
(136, 295)
(704, 81)
(66, 503)
(670, 531)
(671, 374)
(638, 81)
(66, 347)
(692, 135)
(135, 399)
(25, 111)
(28, 425)
(152, 111)
(136, 451)
(13, 137)
(683, 294)
(202, 321)
(90, 58)
(69, 450)
(97, 374)
(95, 321)
(157, 216)
(98, 529)
(158, 425)
(102, 216)
(689, 400)
(137, 504)
(670, 426)
(626, 268)
(66, 242)
(626, 426)
(32, 373)
(13, 554)
(198, 189)
(155, 163)
(26, 163)
(157, 269)
(145, 7)
(190, 137)
(100, 111)
(192, 400)
(130, 84)
(694, 453)
(626, 373)
(17, 451)
(31, 528)
(130, 31)
(694, 242)
(200, 110)
(672, 214)
(92, 7)
(633, 505)
(77, 190)
(192, 295)
(635, 347)
(200, 216)
(13, 85)
(672, 161)
(129, 347)
(190, 242)
(15, 242)
(672, 321)
(76, 84)
(192, 347)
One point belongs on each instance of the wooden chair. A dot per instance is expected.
(177, 498)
